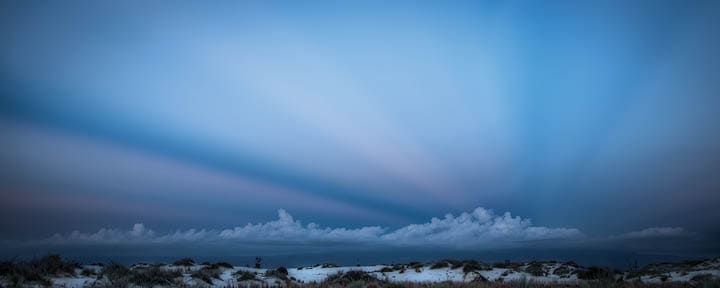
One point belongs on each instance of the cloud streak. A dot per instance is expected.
(286, 228)
(654, 232)
(481, 228)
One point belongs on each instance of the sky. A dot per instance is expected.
(473, 126)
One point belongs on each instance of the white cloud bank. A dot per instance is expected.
(480, 228)
(288, 229)
(654, 232)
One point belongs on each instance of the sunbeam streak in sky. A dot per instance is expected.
(601, 116)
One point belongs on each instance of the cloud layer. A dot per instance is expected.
(479, 229)
(288, 229)
(654, 232)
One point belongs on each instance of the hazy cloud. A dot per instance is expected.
(288, 229)
(138, 233)
(654, 232)
(481, 228)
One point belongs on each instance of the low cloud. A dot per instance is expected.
(286, 228)
(481, 228)
(654, 232)
(138, 234)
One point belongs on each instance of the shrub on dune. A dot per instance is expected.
(154, 275)
(184, 262)
(37, 271)
(116, 275)
(243, 275)
(353, 276)
(222, 265)
(279, 273)
(536, 269)
(206, 274)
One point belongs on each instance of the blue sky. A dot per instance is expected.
(595, 116)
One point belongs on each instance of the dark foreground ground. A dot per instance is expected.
(53, 271)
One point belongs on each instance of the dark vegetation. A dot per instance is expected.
(375, 283)
(36, 271)
(507, 264)
(39, 271)
(660, 270)
(206, 274)
(210, 271)
(184, 262)
(117, 275)
(417, 266)
(154, 275)
(279, 273)
(344, 279)
(243, 275)
(467, 265)
(536, 269)
(225, 265)
(473, 265)
(566, 269)
(596, 273)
